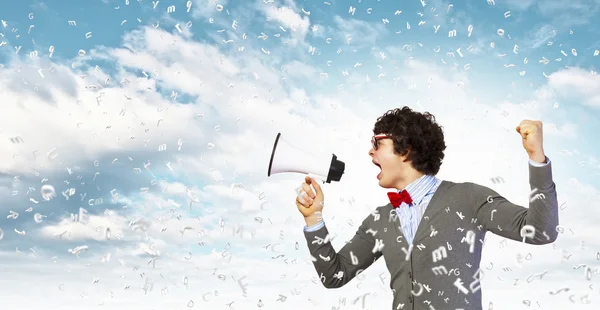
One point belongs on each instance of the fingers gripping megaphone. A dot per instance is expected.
(288, 158)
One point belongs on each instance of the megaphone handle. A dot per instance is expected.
(317, 177)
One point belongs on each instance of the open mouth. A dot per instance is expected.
(378, 165)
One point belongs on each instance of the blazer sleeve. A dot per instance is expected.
(337, 269)
(515, 222)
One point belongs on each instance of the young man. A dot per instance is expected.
(431, 226)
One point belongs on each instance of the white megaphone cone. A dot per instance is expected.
(288, 158)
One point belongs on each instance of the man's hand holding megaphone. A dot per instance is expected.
(309, 202)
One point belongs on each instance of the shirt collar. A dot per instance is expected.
(420, 187)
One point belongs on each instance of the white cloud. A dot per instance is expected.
(567, 130)
(81, 226)
(541, 36)
(579, 83)
(355, 31)
(289, 20)
(111, 118)
(299, 69)
(206, 8)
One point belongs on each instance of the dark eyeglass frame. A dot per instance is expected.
(376, 139)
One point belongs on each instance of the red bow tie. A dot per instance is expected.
(397, 198)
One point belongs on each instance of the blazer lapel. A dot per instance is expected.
(435, 205)
(397, 237)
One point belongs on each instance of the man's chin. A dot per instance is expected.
(383, 184)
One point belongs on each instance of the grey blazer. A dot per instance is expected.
(441, 270)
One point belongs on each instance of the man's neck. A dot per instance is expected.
(411, 177)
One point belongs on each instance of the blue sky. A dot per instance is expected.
(318, 72)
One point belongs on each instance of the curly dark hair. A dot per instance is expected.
(415, 132)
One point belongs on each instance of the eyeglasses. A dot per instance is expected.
(376, 138)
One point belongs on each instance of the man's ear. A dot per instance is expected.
(405, 156)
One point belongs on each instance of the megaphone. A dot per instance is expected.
(288, 158)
